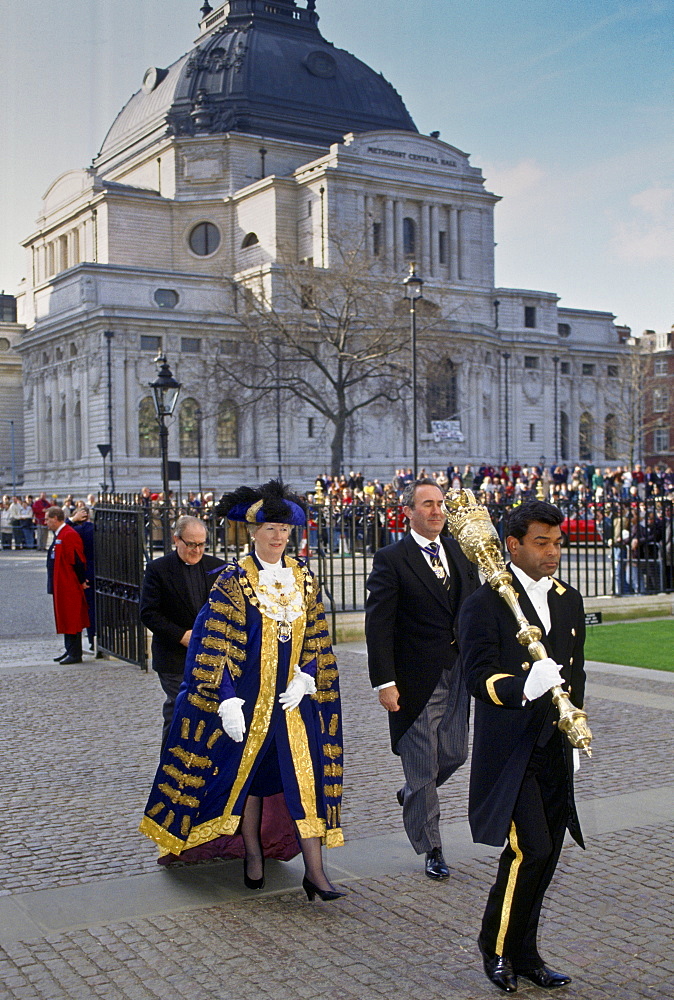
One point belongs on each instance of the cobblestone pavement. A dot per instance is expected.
(85, 911)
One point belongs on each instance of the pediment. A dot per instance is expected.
(408, 149)
(66, 188)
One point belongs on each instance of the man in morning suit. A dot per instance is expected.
(416, 588)
(521, 780)
(175, 589)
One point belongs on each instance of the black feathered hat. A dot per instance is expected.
(271, 501)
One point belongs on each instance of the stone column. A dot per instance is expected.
(454, 272)
(426, 239)
(388, 233)
(369, 221)
(433, 243)
(399, 256)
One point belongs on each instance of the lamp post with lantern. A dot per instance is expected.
(413, 285)
(165, 389)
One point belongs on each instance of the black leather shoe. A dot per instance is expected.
(544, 977)
(436, 866)
(252, 883)
(59, 659)
(71, 659)
(499, 970)
(400, 797)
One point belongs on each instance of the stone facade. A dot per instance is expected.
(184, 213)
(11, 397)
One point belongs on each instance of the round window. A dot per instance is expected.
(4, 344)
(204, 239)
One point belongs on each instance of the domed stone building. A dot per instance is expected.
(257, 163)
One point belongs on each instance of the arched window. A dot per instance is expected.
(48, 436)
(250, 240)
(610, 437)
(409, 237)
(564, 435)
(441, 392)
(188, 427)
(63, 432)
(228, 431)
(148, 429)
(585, 435)
(77, 429)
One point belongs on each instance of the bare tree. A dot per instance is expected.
(629, 402)
(336, 339)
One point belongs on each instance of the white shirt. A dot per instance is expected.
(423, 542)
(537, 592)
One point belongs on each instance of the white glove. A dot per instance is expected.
(543, 676)
(231, 712)
(576, 759)
(300, 685)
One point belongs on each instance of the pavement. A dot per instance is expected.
(85, 912)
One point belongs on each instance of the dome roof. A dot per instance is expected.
(261, 67)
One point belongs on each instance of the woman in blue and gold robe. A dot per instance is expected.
(252, 766)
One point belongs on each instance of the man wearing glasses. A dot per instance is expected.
(175, 588)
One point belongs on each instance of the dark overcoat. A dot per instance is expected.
(167, 609)
(409, 623)
(504, 731)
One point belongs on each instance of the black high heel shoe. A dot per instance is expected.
(325, 894)
(252, 883)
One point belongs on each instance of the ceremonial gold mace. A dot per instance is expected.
(472, 527)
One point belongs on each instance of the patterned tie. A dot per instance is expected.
(433, 549)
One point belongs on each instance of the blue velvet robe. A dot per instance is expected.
(204, 777)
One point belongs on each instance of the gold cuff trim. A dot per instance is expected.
(491, 690)
(334, 838)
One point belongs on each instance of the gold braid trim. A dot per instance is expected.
(322, 696)
(168, 843)
(191, 780)
(205, 704)
(177, 797)
(191, 759)
(333, 771)
(332, 750)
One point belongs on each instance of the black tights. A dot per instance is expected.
(250, 831)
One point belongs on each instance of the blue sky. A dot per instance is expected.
(568, 108)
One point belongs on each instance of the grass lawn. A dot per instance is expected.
(636, 644)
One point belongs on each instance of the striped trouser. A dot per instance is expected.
(431, 750)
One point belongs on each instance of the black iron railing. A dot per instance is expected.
(613, 547)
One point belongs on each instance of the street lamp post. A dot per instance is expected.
(199, 416)
(105, 451)
(413, 292)
(555, 362)
(165, 389)
(506, 358)
(109, 334)
(277, 365)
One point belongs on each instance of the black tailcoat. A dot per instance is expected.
(409, 623)
(504, 732)
(167, 608)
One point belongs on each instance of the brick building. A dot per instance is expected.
(658, 443)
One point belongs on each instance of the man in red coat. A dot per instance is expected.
(66, 580)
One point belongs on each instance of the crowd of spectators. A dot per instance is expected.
(505, 484)
(22, 518)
